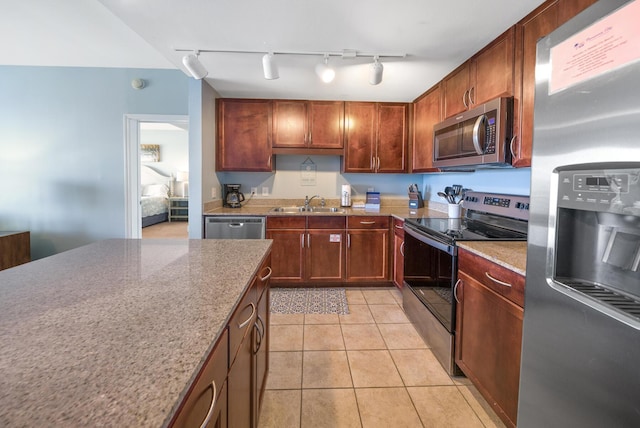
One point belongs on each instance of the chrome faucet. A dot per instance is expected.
(307, 200)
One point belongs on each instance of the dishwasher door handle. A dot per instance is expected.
(236, 225)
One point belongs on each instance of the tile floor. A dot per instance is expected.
(366, 369)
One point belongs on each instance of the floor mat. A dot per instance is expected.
(309, 301)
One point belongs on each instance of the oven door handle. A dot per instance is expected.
(449, 249)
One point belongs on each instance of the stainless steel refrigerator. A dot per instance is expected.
(580, 362)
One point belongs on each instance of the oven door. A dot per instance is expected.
(430, 273)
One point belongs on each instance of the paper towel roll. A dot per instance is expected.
(345, 196)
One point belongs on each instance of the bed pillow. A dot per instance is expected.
(155, 190)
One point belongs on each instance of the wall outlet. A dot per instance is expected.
(370, 189)
(254, 190)
(214, 192)
(265, 191)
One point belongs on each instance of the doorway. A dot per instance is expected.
(157, 176)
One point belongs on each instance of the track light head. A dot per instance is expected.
(325, 72)
(375, 71)
(194, 66)
(270, 67)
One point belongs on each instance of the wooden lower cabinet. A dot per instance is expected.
(15, 249)
(207, 399)
(367, 249)
(229, 389)
(307, 248)
(489, 331)
(398, 252)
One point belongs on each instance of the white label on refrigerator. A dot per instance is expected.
(610, 43)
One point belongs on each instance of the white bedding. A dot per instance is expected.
(152, 205)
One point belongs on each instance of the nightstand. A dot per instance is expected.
(178, 208)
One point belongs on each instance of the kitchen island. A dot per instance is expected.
(114, 333)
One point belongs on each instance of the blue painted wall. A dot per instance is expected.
(62, 148)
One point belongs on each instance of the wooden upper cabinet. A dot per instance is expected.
(529, 30)
(391, 147)
(308, 124)
(376, 137)
(360, 136)
(427, 112)
(488, 74)
(244, 135)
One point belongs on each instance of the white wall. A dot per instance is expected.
(174, 148)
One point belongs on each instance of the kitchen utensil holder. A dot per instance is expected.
(415, 200)
(454, 210)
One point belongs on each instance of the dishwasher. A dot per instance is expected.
(228, 227)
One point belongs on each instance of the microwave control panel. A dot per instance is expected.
(605, 190)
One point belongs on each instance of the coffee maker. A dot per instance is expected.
(232, 196)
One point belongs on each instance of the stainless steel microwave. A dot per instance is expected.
(477, 138)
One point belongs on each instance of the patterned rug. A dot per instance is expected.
(309, 301)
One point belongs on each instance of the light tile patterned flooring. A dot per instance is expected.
(369, 368)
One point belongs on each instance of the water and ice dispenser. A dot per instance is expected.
(596, 251)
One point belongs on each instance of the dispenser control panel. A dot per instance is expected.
(605, 190)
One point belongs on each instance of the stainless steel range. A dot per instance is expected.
(430, 262)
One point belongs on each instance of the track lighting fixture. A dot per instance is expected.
(375, 71)
(195, 67)
(270, 67)
(325, 72)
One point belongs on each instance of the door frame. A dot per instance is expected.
(132, 210)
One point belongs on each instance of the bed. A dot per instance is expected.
(154, 200)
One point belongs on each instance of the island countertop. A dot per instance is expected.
(113, 333)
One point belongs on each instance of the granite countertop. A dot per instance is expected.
(113, 333)
(395, 209)
(512, 255)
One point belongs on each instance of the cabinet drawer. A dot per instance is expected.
(398, 227)
(286, 222)
(367, 222)
(200, 398)
(242, 321)
(495, 277)
(321, 222)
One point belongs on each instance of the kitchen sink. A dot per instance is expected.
(327, 210)
(290, 210)
(302, 209)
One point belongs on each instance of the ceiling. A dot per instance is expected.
(436, 36)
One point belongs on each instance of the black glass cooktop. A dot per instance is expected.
(464, 229)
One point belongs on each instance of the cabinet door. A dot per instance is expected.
(492, 70)
(290, 123)
(538, 24)
(244, 135)
(287, 259)
(570, 8)
(208, 396)
(239, 384)
(426, 113)
(325, 255)
(488, 342)
(455, 90)
(398, 253)
(391, 147)
(360, 137)
(326, 124)
(261, 352)
(367, 255)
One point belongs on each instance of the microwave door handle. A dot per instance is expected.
(476, 133)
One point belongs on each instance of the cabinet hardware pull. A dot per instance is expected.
(308, 240)
(464, 98)
(497, 281)
(267, 276)
(471, 100)
(513, 140)
(212, 406)
(372, 163)
(348, 240)
(398, 226)
(367, 222)
(302, 240)
(455, 290)
(253, 312)
(260, 333)
(402, 248)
